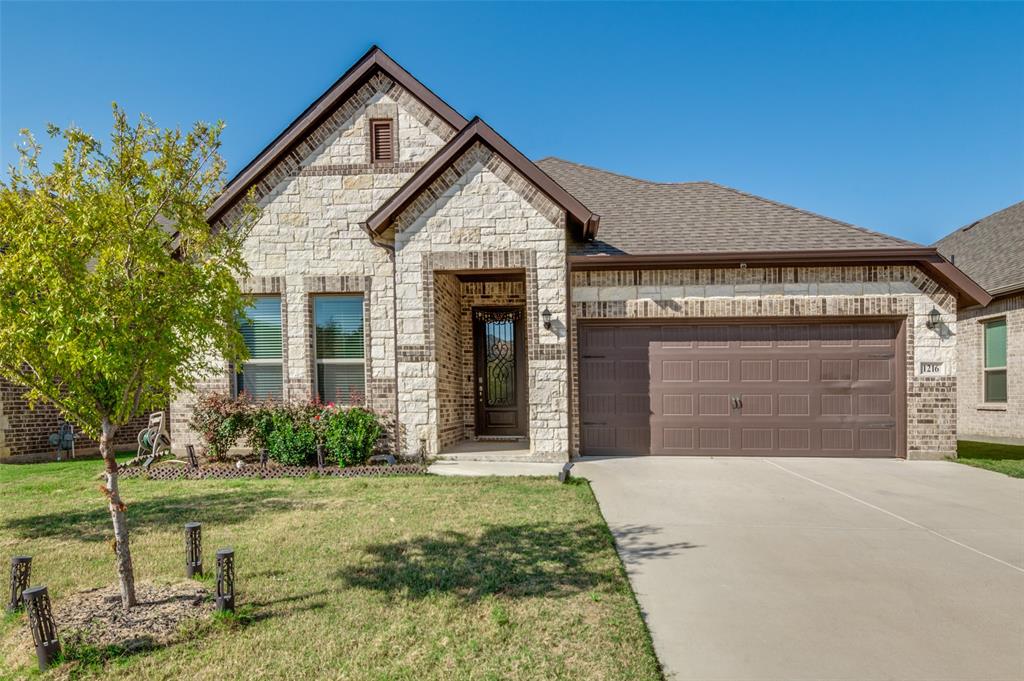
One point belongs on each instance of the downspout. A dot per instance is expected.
(390, 248)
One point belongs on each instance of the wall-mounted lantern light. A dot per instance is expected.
(934, 317)
(546, 317)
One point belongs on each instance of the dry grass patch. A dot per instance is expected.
(389, 578)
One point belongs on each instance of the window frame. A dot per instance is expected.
(374, 122)
(987, 370)
(238, 370)
(317, 360)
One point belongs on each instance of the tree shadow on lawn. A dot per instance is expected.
(518, 561)
(220, 508)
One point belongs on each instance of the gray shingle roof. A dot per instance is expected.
(991, 250)
(639, 217)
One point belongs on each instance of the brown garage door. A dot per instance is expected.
(775, 389)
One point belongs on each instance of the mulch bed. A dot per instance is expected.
(225, 471)
(95, 617)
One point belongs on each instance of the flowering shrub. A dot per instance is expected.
(220, 420)
(288, 432)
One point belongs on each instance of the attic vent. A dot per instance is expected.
(382, 144)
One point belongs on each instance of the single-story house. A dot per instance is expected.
(416, 261)
(990, 346)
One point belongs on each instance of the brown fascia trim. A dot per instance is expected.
(967, 291)
(1007, 291)
(371, 62)
(580, 217)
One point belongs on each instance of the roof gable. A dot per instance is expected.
(581, 219)
(374, 62)
(990, 249)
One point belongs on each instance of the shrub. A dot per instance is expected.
(290, 438)
(220, 420)
(288, 432)
(350, 435)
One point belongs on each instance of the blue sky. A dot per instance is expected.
(907, 118)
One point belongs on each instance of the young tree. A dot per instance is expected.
(115, 292)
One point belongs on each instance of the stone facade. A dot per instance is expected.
(310, 240)
(479, 215)
(25, 431)
(902, 292)
(974, 417)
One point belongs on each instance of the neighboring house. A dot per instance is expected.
(990, 346)
(417, 261)
(25, 431)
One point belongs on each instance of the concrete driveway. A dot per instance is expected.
(817, 569)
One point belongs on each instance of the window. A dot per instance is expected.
(340, 365)
(382, 143)
(260, 376)
(995, 361)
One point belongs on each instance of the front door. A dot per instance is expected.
(500, 372)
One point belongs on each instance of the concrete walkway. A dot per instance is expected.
(502, 468)
(814, 569)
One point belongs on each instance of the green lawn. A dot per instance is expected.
(1008, 459)
(389, 578)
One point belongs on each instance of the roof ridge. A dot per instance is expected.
(811, 213)
(969, 225)
(622, 175)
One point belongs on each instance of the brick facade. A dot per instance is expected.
(25, 431)
(783, 292)
(974, 417)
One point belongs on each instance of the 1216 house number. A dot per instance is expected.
(931, 369)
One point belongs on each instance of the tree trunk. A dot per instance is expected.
(125, 572)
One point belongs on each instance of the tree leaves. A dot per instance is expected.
(115, 291)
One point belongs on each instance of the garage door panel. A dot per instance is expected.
(876, 405)
(797, 440)
(680, 439)
(756, 405)
(837, 439)
(795, 404)
(795, 335)
(837, 370)
(875, 370)
(794, 370)
(710, 404)
(756, 370)
(676, 370)
(754, 439)
(713, 336)
(877, 439)
(677, 405)
(757, 336)
(715, 439)
(836, 405)
(804, 389)
(713, 370)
